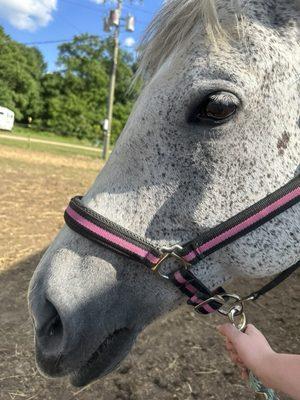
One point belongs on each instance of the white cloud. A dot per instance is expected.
(27, 14)
(129, 42)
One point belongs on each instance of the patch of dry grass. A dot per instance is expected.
(35, 189)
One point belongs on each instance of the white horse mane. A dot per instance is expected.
(175, 23)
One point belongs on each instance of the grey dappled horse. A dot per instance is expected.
(215, 129)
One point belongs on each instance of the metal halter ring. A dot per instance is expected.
(235, 310)
(222, 299)
(169, 252)
(228, 305)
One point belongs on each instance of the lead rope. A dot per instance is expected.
(237, 310)
(261, 391)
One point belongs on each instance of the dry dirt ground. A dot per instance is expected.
(179, 357)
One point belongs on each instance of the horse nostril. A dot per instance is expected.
(50, 334)
(55, 327)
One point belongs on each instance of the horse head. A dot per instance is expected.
(215, 129)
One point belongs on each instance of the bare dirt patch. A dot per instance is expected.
(179, 357)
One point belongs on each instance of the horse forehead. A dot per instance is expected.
(253, 55)
(254, 20)
(262, 10)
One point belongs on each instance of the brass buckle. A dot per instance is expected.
(169, 252)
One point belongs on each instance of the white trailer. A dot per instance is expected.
(7, 119)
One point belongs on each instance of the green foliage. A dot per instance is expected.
(21, 70)
(73, 100)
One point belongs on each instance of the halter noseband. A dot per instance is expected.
(99, 229)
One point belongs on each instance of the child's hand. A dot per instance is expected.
(249, 350)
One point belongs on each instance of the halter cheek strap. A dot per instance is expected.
(243, 223)
(99, 229)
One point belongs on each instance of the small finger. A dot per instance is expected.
(245, 374)
(229, 345)
(240, 362)
(233, 353)
(234, 358)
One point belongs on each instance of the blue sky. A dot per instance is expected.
(32, 21)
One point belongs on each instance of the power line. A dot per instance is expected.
(47, 42)
(69, 23)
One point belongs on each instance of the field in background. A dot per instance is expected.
(35, 187)
(48, 142)
(180, 357)
(43, 134)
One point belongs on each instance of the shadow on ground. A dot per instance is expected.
(178, 357)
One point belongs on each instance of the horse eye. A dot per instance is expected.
(218, 107)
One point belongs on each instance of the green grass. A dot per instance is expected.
(22, 131)
(27, 132)
(66, 151)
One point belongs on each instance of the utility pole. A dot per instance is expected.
(112, 86)
(114, 21)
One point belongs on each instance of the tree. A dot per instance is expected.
(21, 70)
(71, 101)
(75, 98)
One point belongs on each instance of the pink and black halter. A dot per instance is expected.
(99, 229)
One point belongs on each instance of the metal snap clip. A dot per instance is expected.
(240, 324)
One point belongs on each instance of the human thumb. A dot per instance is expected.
(230, 332)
